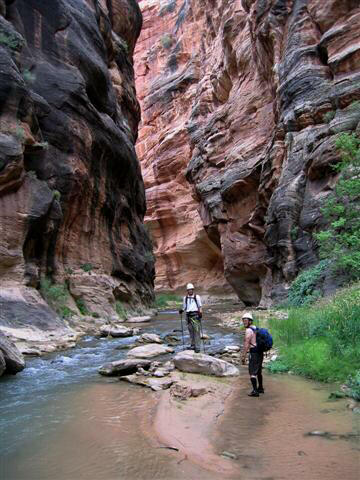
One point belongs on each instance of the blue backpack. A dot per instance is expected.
(264, 340)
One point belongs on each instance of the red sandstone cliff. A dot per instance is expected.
(72, 198)
(242, 101)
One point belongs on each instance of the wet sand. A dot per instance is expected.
(266, 435)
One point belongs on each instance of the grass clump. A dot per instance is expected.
(121, 310)
(167, 300)
(56, 295)
(321, 341)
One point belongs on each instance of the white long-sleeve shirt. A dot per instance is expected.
(190, 305)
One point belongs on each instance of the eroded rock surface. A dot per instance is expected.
(72, 198)
(242, 103)
(123, 367)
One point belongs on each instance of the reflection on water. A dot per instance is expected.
(60, 420)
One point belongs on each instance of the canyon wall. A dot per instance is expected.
(72, 199)
(242, 102)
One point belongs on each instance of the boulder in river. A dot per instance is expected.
(189, 361)
(155, 384)
(149, 338)
(123, 367)
(150, 350)
(14, 360)
(117, 332)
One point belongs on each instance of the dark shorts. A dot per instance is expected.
(255, 362)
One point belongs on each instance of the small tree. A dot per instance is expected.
(340, 242)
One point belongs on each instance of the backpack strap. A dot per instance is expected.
(186, 302)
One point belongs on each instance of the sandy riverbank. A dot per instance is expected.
(265, 437)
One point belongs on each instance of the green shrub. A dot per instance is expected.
(80, 303)
(353, 383)
(166, 300)
(56, 194)
(328, 116)
(11, 40)
(166, 41)
(303, 290)
(87, 267)
(340, 241)
(278, 366)
(56, 295)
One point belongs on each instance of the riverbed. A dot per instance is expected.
(59, 419)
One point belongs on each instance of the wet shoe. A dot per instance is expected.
(253, 394)
(261, 390)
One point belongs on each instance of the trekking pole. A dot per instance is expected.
(202, 335)
(182, 331)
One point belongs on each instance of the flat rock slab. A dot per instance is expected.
(150, 350)
(189, 361)
(123, 367)
(155, 384)
(14, 360)
(149, 338)
(144, 319)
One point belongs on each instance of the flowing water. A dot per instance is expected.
(60, 420)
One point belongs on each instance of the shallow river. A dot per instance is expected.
(60, 420)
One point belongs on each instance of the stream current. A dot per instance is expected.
(61, 420)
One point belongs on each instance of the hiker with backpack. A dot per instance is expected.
(193, 309)
(257, 341)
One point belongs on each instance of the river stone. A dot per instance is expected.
(14, 360)
(155, 384)
(123, 367)
(2, 364)
(150, 350)
(121, 332)
(231, 349)
(143, 319)
(149, 338)
(189, 361)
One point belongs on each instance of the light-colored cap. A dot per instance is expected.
(248, 315)
(189, 286)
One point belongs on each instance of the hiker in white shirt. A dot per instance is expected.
(193, 308)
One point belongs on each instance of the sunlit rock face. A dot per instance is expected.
(242, 102)
(72, 198)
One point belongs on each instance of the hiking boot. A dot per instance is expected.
(261, 390)
(254, 393)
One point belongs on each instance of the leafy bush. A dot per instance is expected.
(56, 295)
(322, 341)
(10, 40)
(303, 290)
(340, 242)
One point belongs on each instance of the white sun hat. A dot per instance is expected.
(248, 315)
(189, 286)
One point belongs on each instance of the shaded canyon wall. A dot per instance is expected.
(72, 199)
(242, 101)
